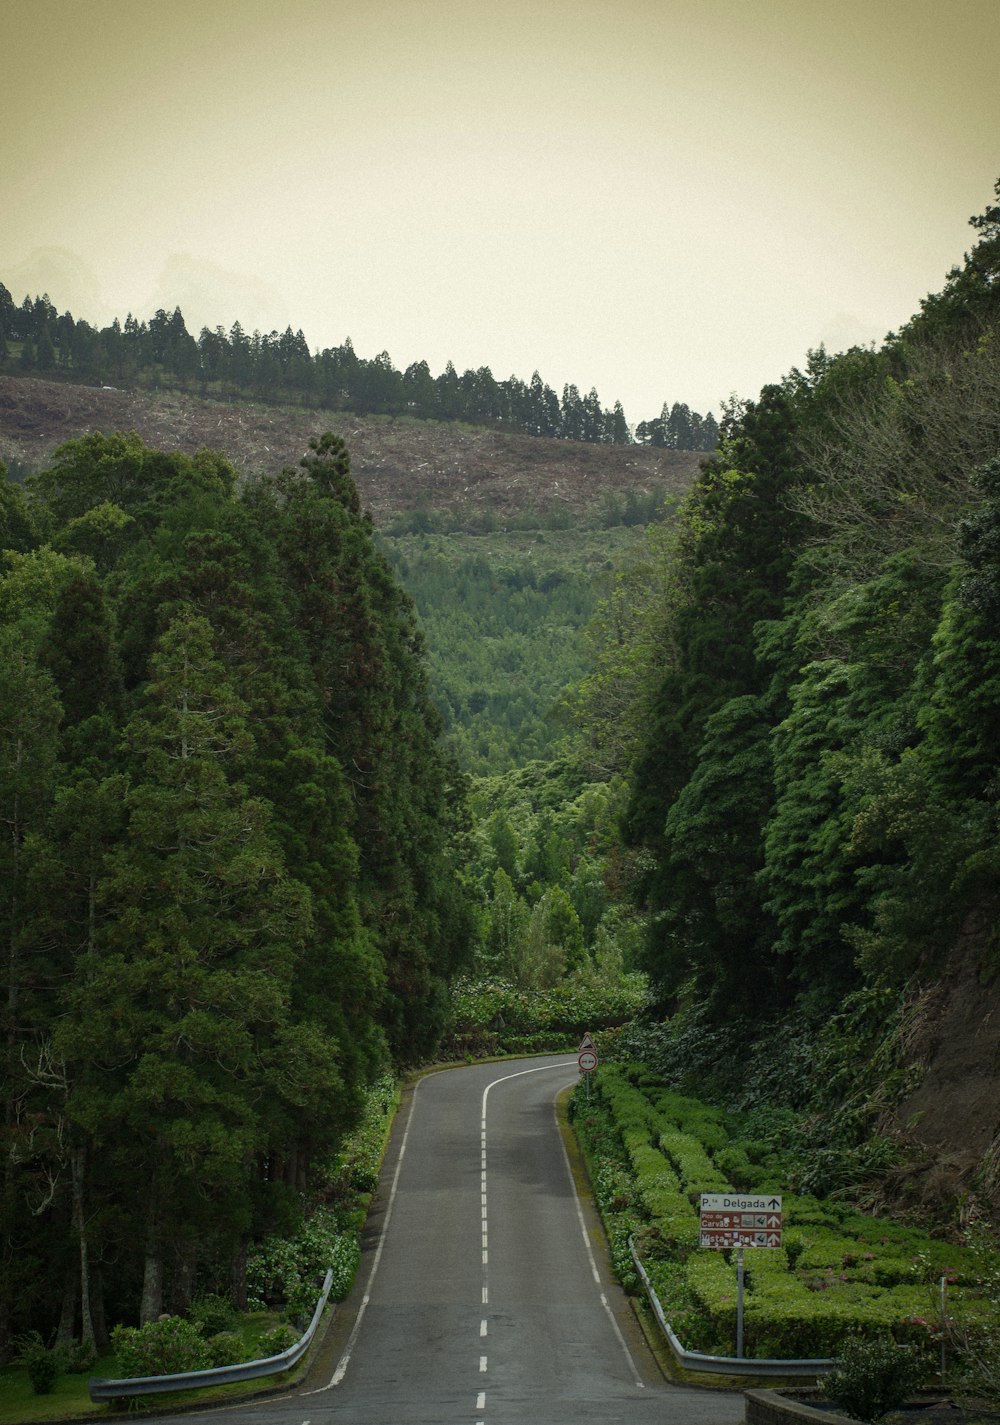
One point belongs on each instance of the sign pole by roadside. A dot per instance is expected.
(587, 1059)
(740, 1220)
(739, 1303)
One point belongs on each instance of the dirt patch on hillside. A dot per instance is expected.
(950, 1123)
(399, 464)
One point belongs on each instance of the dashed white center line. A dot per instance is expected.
(484, 1324)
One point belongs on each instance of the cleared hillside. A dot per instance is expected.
(399, 464)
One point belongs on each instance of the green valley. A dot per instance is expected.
(314, 772)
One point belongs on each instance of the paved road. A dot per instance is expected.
(483, 1295)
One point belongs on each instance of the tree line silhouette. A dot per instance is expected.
(279, 367)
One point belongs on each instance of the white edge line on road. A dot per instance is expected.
(342, 1365)
(590, 1253)
(344, 1361)
(542, 1069)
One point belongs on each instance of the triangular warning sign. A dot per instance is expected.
(585, 1043)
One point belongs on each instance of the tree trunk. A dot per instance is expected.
(238, 1277)
(151, 1304)
(67, 1317)
(182, 1286)
(78, 1164)
(102, 1337)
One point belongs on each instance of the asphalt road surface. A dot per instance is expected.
(484, 1293)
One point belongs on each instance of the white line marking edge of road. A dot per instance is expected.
(590, 1253)
(344, 1361)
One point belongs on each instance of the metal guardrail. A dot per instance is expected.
(220, 1375)
(727, 1365)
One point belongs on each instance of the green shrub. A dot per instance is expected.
(791, 1316)
(838, 1271)
(212, 1314)
(619, 1230)
(284, 1270)
(226, 1348)
(681, 1308)
(43, 1369)
(737, 1167)
(79, 1357)
(344, 1259)
(164, 1347)
(41, 1363)
(976, 1332)
(276, 1340)
(695, 1168)
(874, 1377)
(712, 1282)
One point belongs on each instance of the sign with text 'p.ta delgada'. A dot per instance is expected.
(740, 1220)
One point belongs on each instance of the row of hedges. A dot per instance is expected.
(837, 1272)
(495, 1016)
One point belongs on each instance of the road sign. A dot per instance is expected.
(586, 1043)
(741, 1202)
(740, 1220)
(587, 1061)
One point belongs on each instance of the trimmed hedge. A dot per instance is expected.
(837, 1272)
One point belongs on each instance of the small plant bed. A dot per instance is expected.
(652, 1153)
(923, 1410)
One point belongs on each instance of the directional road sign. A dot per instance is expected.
(740, 1220)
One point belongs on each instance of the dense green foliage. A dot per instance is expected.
(555, 947)
(506, 617)
(874, 1377)
(813, 803)
(240, 873)
(231, 891)
(271, 366)
(653, 1153)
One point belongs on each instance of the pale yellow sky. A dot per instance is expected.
(668, 201)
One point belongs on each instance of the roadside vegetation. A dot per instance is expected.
(285, 1275)
(230, 889)
(652, 1154)
(716, 781)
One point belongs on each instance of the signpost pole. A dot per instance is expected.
(587, 1059)
(739, 1303)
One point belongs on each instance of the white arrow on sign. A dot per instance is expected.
(740, 1202)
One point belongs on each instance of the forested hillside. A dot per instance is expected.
(271, 367)
(231, 888)
(809, 718)
(506, 617)
(243, 871)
